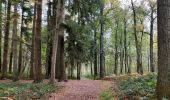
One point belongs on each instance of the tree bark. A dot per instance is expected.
(58, 20)
(6, 42)
(163, 82)
(125, 46)
(79, 70)
(0, 35)
(101, 41)
(32, 48)
(116, 51)
(138, 48)
(15, 42)
(49, 39)
(151, 42)
(21, 36)
(37, 44)
(95, 53)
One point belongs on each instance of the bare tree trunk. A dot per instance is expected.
(21, 36)
(0, 35)
(10, 59)
(151, 42)
(125, 46)
(79, 70)
(138, 48)
(49, 39)
(102, 41)
(37, 44)
(116, 50)
(95, 53)
(32, 48)
(15, 42)
(163, 82)
(58, 19)
(62, 76)
(6, 42)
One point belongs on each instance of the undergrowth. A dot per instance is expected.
(134, 88)
(25, 91)
(106, 95)
(92, 77)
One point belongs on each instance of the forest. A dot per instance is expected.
(84, 49)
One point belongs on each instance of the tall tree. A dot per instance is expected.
(37, 43)
(152, 5)
(21, 37)
(6, 41)
(58, 20)
(116, 49)
(32, 48)
(14, 41)
(0, 34)
(137, 42)
(101, 39)
(163, 82)
(49, 41)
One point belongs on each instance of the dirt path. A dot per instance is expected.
(81, 90)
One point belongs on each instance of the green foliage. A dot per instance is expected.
(106, 95)
(141, 87)
(26, 90)
(93, 77)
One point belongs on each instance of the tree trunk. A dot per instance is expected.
(151, 42)
(58, 20)
(49, 43)
(91, 67)
(79, 70)
(10, 59)
(62, 76)
(0, 35)
(101, 41)
(6, 42)
(95, 53)
(125, 46)
(21, 35)
(32, 48)
(163, 82)
(15, 42)
(116, 50)
(37, 44)
(138, 50)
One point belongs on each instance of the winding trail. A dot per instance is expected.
(81, 90)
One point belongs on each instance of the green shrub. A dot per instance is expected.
(141, 87)
(106, 95)
(25, 91)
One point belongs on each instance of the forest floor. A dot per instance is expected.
(81, 90)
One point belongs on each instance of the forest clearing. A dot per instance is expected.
(84, 49)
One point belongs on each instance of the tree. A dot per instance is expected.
(137, 42)
(152, 5)
(49, 40)
(21, 37)
(32, 48)
(0, 34)
(58, 18)
(101, 40)
(163, 81)
(37, 44)
(6, 42)
(15, 42)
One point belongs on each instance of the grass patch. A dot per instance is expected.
(25, 91)
(142, 87)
